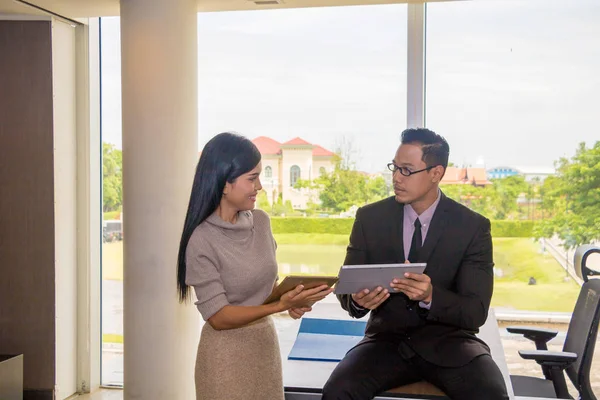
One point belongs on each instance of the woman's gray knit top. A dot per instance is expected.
(231, 264)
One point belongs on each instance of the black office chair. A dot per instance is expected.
(578, 349)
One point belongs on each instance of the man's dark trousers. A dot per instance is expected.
(372, 368)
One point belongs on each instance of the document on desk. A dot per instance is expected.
(326, 339)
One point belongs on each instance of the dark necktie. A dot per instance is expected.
(416, 244)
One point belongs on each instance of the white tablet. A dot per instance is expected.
(354, 278)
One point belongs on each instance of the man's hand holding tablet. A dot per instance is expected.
(371, 300)
(371, 284)
(415, 286)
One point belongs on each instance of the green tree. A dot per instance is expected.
(571, 200)
(507, 191)
(479, 199)
(344, 186)
(339, 189)
(550, 196)
(282, 209)
(377, 189)
(262, 202)
(112, 178)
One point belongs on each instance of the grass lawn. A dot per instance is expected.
(518, 258)
(312, 238)
(112, 338)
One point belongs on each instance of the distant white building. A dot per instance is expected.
(536, 173)
(529, 173)
(284, 163)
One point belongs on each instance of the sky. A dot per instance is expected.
(509, 83)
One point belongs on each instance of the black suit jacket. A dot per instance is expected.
(458, 253)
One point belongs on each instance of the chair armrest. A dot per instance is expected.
(539, 336)
(560, 359)
(553, 364)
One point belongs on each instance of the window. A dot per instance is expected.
(349, 84)
(515, 83)
(347, 69)
(294, 174)
(112, 232)
(322, 171)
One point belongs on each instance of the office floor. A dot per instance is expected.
(102, 394)
(511, 347)
(511, 344)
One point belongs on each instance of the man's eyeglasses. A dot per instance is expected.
(405, 171)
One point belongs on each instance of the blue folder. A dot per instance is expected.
(326, 339)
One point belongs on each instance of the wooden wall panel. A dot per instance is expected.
(27, 272)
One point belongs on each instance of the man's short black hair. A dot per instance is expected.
(435, 148)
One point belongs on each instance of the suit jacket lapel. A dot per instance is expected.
(436, 229)
(398, 232)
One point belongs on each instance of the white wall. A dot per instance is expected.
(309, 170)
(320, 162)
(65, 156)
(303, 159)
(271, 185)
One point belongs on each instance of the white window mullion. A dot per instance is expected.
(416, 65)
(89, 224)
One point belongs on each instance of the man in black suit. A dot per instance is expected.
(424, 329)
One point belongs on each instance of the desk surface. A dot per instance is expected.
(314, 374)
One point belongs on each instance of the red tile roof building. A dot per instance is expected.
(465, 176)
(268, 146)
(284, 163)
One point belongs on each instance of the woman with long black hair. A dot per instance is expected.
(227, 254)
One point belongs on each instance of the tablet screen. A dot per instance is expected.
(354, 278)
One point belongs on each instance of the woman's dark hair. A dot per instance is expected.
(224, 158)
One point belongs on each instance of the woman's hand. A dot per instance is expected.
(300, 297)
(297, 313)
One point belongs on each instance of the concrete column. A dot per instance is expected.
(160, 149)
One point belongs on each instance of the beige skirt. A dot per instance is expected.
(242, 363)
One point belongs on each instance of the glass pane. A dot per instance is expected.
(112, 244)
(303, 84)
(305, 76)
(514, 87)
